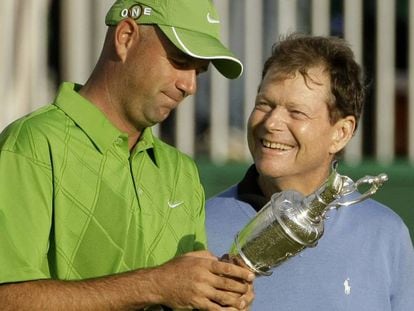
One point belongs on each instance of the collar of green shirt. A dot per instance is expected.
(94, 123)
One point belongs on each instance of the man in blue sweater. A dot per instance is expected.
(307, 109)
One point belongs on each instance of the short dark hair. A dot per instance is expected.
(299, 53)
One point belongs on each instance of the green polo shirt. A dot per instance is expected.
(75, 203)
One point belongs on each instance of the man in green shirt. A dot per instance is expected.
(95, 212)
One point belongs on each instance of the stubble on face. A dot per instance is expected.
(159, 77)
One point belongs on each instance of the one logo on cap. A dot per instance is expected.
(134, 12)
(212, 20)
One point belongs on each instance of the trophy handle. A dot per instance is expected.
(349, 187)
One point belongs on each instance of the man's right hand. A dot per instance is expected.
(198, 280)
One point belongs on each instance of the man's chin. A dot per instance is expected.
(163, 117)
(158, 119)
(269, 169)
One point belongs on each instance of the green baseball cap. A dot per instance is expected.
(192, 26)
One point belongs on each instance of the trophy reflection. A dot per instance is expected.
(291, 222)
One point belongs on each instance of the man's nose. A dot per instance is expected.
(276, 119)
(187, 82)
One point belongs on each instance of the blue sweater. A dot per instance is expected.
(364, 261)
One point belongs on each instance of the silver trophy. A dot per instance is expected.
(291, 222)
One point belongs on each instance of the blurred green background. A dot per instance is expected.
(397, 192)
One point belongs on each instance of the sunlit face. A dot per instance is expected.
(290, 134)
(156, 78)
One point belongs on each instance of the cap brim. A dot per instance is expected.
(203, 46)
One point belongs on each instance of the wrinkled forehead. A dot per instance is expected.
(315, 75)
(315, 79)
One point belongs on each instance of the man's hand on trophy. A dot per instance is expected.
(199, 280)
(236, 260)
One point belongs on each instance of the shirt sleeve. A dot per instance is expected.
(25, 217)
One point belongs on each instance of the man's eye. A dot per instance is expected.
(180, 62)
(263, 106)
(297, 114)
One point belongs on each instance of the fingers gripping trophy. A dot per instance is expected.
(291, 222)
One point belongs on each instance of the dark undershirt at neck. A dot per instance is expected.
(248, 189)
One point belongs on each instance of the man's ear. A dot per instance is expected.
(126, 34)
(343, 131)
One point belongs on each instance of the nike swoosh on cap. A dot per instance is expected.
(212, 20)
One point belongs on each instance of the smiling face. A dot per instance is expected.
(290, 135)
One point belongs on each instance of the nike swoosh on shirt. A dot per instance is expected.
(212, 20)
(175, 204)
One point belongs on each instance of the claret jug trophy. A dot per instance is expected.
(291, 222)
